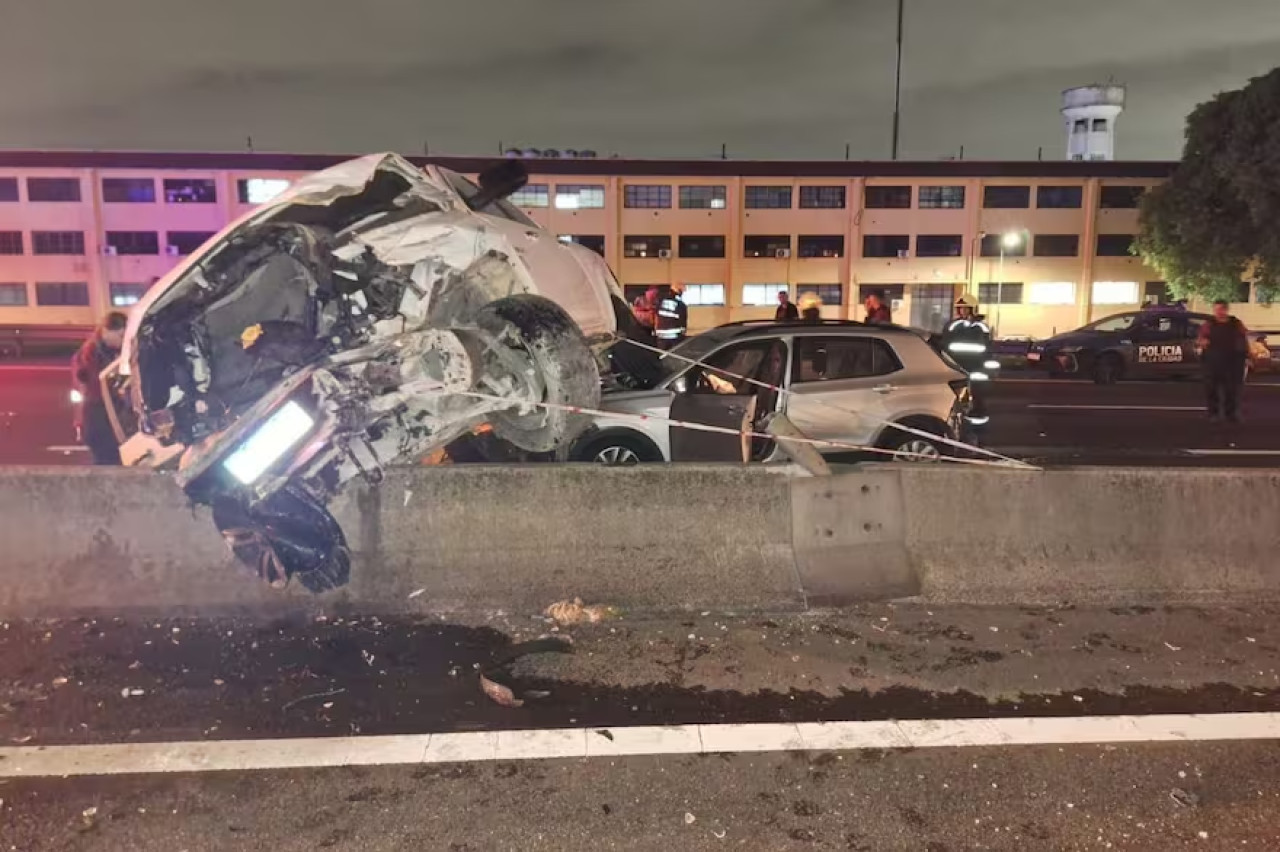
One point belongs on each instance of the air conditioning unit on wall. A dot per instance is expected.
(903, 254)
(109, 251)
(172, 250)
(782, 254)
(664, 254)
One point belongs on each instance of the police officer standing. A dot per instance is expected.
(1224, 347)
(673, 317)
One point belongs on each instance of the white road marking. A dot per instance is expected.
(1051, 407)
(1233, 452)
(68, 448)
(245, 755)
(37, 368)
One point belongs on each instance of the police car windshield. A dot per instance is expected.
(1121, 322)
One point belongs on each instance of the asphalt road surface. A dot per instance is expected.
(1047, 421)
(1061, 672)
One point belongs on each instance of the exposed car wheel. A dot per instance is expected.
(1108, 369)
(285, 536)
(618, 449)
(539, 347)
(915, 447)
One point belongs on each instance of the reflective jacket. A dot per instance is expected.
(673, 317)
(963, 335)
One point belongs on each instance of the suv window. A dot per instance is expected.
(762, 360)
(501, 208)
(820, 359)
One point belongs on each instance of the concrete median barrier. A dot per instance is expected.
(653, 538)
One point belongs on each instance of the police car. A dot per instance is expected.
(1133, 345)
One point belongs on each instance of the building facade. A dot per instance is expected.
(1043, 246)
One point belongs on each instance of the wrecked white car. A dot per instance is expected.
(371, 313)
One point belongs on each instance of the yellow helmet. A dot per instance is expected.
(809, 300)
(962, 302)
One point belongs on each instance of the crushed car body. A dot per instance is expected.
(373, 312)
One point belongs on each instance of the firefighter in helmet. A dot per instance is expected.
(672, 322)
(810, 306)
(967, 338)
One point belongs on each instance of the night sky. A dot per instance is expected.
(646, 78)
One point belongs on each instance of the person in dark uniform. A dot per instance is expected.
(877, 309)
(92, 422)
(787, 309)
(967, 338)
(673, 317)
(1224, 348)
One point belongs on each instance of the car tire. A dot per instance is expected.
(540, 334)
(618, 449)
(920, 450)
(1108, 369)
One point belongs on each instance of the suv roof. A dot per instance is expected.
(750, 328)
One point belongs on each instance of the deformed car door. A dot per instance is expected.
(843, 388)
(720, 395)
(1161, 345)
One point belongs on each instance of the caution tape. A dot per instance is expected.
(1005, 461)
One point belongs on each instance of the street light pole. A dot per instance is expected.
(897, 84)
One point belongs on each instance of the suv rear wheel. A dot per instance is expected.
(618, 449)
(1108, 369)
(916, 447)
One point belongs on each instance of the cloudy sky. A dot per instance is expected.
(647, 78)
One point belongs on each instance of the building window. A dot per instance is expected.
(761, 295)
(890, 292)
(128, 190)
(821, 359)
(13, 294)
(766, 246)
(702, 246)
(1241, 294)
(1099, 125)
(1006, 197)
(704, 295)
(1120, 197)
(993, 244)
(647, 196)
(887, 197)
(822, 197)
(820, 246)
(1115, 245)
(830, 294)
(190, 191)
(11, 242)
(1056, 245)
(125, 295)
(595, 242)
(1115, 292)
(703, 197)
(941, 197)
(186, 242)
(53, 189)
(1081, 126)
(531, 195)
(768, 197)
(935, 245)
(886, 245)
(1053, 293)
(1156, 293)
(1059, 196)
(1000, 293)
(62, 294)
(579, 196)
(646, 246)
(57, 242)
(133, 242)
(259, 190)
(8, 189)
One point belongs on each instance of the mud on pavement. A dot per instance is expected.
(89, 681)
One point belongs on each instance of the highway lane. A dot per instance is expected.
(36, 415)
(191, 682)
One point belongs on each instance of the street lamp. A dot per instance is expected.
(1010, 241)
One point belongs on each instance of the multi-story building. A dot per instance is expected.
(1044, 246)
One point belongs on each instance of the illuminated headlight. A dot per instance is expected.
(979, 377)
(76, 397)
(272, 440)
(978, 421)
(991, 365)
(966, 346)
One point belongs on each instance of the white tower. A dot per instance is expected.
(1091, 113)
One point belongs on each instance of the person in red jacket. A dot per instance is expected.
(92, 423)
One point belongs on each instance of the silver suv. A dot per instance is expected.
(846, 382)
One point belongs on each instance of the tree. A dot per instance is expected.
(1216, 221)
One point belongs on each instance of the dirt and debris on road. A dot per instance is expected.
(132, 680)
